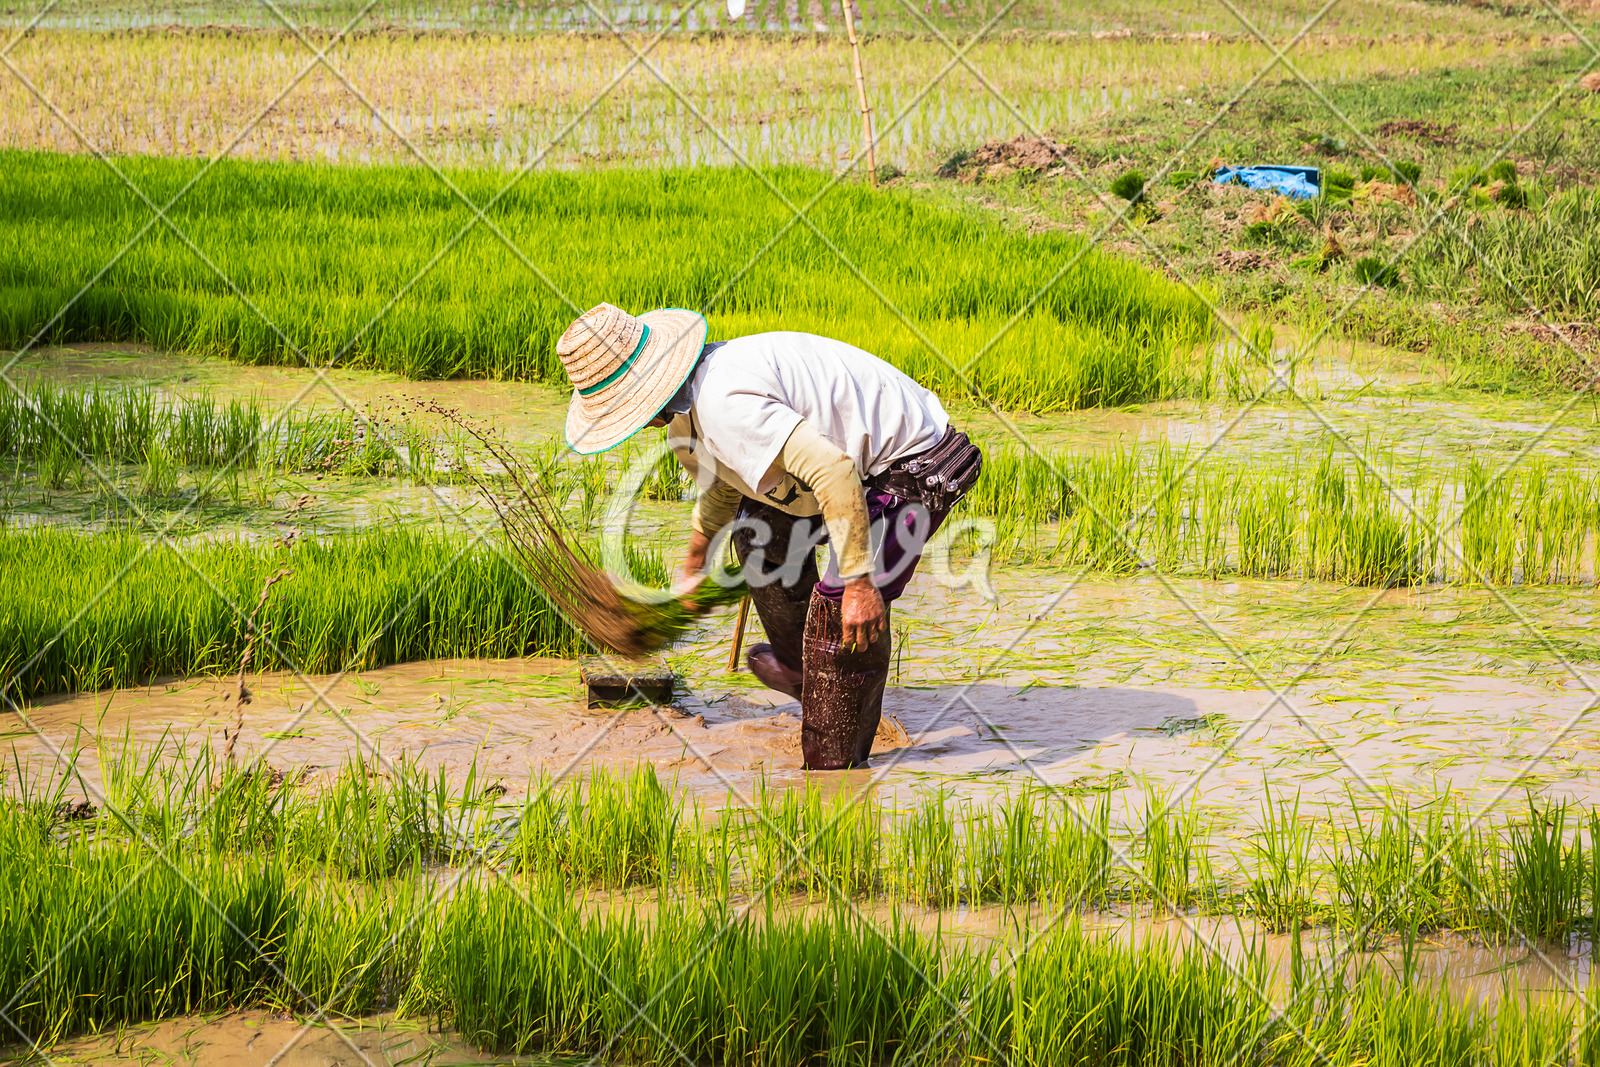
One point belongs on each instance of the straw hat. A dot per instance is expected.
(623, 369)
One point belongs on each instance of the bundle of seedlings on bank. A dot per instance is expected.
(623, 619)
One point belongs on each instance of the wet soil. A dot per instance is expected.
(260, 1038)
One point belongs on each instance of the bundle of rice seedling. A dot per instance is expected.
(563, 568)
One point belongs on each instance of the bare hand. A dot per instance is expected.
(693, 572)
(865, 617)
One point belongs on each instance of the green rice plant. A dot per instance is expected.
(95, 935)
(1547, 874)
(1548, 256)
(387, 595)
(1389, 869)
(55, 462)
(1367, 518)
(113, 424)
(1488, 542)
(925, 852)
(1130, 187)
(160, 479)
(606, 830)
(1172, 852)
(322, 250)
(1282, 890)
(516, 976)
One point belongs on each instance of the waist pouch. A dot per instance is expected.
(937, 477)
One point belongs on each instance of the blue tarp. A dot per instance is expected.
(1299, 183)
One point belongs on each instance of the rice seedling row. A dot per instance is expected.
(83, 612)
(1380, 518)
(786, 17)
(322, 251)
(255, 904)
(498, 101)
(57, 427)
(1367, 868)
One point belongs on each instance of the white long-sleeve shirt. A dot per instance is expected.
(760, 398)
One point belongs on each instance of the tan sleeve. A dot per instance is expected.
(715, 508)
(832, 477)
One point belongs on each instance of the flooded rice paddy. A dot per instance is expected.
(1225, 691)
(501, 100)
(1236, 695)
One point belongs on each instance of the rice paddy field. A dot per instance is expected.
(1244, 712)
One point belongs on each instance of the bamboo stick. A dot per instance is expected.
(861, 91)
(738, 635)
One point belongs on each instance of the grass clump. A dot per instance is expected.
(1130, 186)
(1400, 172)
(1321, 514)
(53, 424)
(1370, 270)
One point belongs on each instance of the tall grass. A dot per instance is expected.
(1549, 256)
(323, 250)
(84, 612)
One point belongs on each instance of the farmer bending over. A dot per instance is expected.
(795, 440)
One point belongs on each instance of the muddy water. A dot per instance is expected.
(1225, 690)
(1471, 971)
(519, 408)
(260, 1038)
(1371, 397)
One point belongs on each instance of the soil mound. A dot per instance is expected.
(1235, 260)
(998, 159)
(1419, 130)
